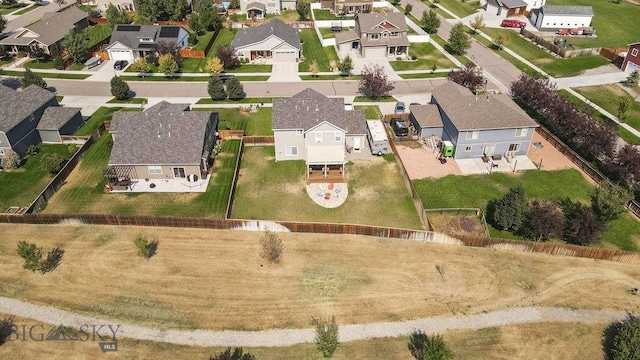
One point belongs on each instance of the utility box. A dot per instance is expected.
(447, 149)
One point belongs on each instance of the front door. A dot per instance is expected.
(179, 172)
(356, 144)
(489, 150)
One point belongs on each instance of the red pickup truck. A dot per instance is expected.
(512, 23)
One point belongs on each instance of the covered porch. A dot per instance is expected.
(255, 10)
(325, 164)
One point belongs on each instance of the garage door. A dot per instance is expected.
(375, 52)
(631, 67)
(285, 56)
(121, 55)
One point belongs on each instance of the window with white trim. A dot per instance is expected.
(521, 132)
(634, 52)
(291, 151)
(468, 148)
(338, 136)
(375, 36)
(514, 147)
(1, 151)
(299, 132)
(472, 135)
(318, 136)
(155, 169)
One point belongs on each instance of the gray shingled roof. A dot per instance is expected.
(255, 5)
(55, 117)
(567, 10)
(468, 112)
(162, 138)
(345, 36)
(513, 3)
(131, 39)
(16, 106)
(369, 22)
(427, 115)
(165, 106)
(309, 108)
(52, 28)
(261, 32)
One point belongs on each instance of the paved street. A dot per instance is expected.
(16, 22)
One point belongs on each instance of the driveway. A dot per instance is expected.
(359, 64)
(19, 21)
(284, 72)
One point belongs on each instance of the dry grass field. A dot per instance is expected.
(216, 280)
(545, 341)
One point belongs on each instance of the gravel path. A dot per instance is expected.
(295, 336)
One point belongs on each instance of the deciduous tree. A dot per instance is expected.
(145, 247)
(235, 90)
(477, 23)
(373, 82)
(633, 79)
(304, 9)
(425, 347)
(326, 336)
(76, 45)
(215, 88)
(509, 211)
(470, 76)
(346, 65)
(407, 9)
(30, 78)
(52, 162)
(501, 40)
(140, 65)
(272, 246)
(625, 167)
(11, 160)
(115, 16)
(624, 104)
(543, 221)
(608, 202)
(430, 21)
(313, 68)
(167, 65)
(582, 226)
(119, 88)
(228, 56)
(31, 254)
(214, 66)
(459, 40)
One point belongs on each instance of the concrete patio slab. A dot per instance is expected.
(478, 166)
(167, 185)
(329, 195)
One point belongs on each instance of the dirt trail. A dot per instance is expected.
(288, 337)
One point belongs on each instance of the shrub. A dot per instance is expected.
(119, 88)
(326, 336)
(32, 256)
(425, 347)
(30, 78)
(624, 341)
(272, 246)
(52, 162)
(33, 150)
(509, 211)
(215, 88)
(146, 248)
(237, 354)
(11, 160)
(235, 90)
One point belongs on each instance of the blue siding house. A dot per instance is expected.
(482, 126)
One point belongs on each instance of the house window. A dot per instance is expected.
(521, 132)
(105, 6)
(1, 151)
(31, 117)
(318, 136)
(155, 169)
(178, 172)
(299, 132)
(634, 52)
(395, 34)
(514, 147)
(472, 135)
(468, 148)
(291, 151)
(338, 136)
(375, 36)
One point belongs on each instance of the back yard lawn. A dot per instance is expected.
(370, 111)
(461, 8)
(324, 14)
(475, 191)
(552, 65)
(83, 193)
(97, 33)
(252, 124)
(608, 97)
(99, 116)
(312, 50)
(276, 191)
(21, 186)
(427, 55)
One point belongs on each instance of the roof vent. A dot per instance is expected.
(158, 134)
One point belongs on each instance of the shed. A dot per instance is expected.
(57, 121)
(426, 120)
(553, 17)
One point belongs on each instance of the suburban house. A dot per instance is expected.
(258, 9)
(554, 17)
(57, 122)
(309, 126)
(426, 120)
(507, 8)
(376, 35)
(274, 41)
(20, 113)
(47, 33)
(346, 7)
(478, 126)
(129, 42)
(166, 141)
(126, 5)
(631, 61)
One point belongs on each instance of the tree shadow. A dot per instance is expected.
(11, 82)
(610, 332)
(52, 261)
(7, 325)
(152, 249)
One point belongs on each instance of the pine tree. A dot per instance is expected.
(119, 88)
(215, 88)
(459, 41)
(235, 90)
(430, 21)
(30, 78)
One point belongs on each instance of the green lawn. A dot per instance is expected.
(378, 99)
(193, 65)
(9, 8)
(460, 8)
(312, 50)
(21, 186)
(35, 64)
(424, 75)
(327, 33)
(26, 10)
(325, 15)
(609, 104)
(371, 112)
(7, 59)
(93, 122)
(97, 33)
(252, 124)
(552, 65)
(608, 97)
(427, 55)
(330, 77)
(133, 100)
(250, 68)
(276, 191)
(445, 44)
(203, 40)
(179, 77)
(616, 24)
(47, 75)
(505, 55)
(83, 193)
(475, 191)
(247, 100)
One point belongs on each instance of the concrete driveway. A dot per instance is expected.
(284, 72)
(360, 63)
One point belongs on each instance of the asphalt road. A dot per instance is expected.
(33, 15)
(253, 89)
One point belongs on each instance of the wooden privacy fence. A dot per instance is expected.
(230, 134)
(98, 21)
(323, 228)
(560, 50)
(583, 165)
(258, 140)
(611, 54)
(194, 54)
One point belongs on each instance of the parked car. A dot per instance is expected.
(120, 64)
(399, 108)
(399, 127)
(513, 23)
(224, 77)
(562, 32)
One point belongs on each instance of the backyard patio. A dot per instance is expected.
(329, 195)
(160, 185)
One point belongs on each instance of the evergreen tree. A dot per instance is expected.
(30, 78)
(119, 88)
(459, 41)
(425, 347)
(215, 88)
(430, 21)
(76, 45)
(235, 90)
(115, 16)
(509, 212)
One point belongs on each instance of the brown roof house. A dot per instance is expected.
(376, 35)
(47, 33)
(166, 148)
(272, 42)
(311, 127)
(346, 7)
(20, 114)
(478, 126)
